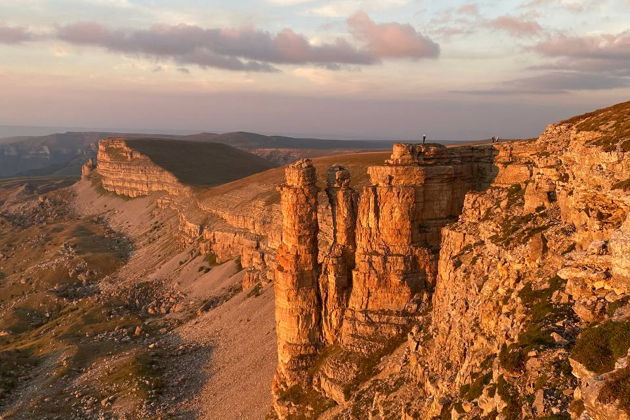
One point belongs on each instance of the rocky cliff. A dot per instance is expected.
(482, 282)
(136, 167)
(128, 172)
(465, 282)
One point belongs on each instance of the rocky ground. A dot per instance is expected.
(104, 315)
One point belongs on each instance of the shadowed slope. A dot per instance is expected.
(200, 164)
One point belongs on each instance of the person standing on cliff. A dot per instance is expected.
(424, 138)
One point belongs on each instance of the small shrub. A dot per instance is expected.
(255, 291)
(211, 259)
(613, 306)
(617, 389)
(475, 389)
(306, 397)
(622, 185)
(512, 358)
(508, 394)
(577, 407)
(598, 347)
(515, 194)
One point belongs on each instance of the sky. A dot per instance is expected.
(369, 69)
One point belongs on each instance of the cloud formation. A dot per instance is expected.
(604, 46)
(393, 40)
(14, 34)
(517, 26)
(556, 82)
(251, 49)
(604, 53)
(593, 62)
(574, 6)
(467, 19)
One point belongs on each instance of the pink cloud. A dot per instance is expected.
(605, 46)
(393, 40)
(468, 9)
(516, 26)
(14, 34)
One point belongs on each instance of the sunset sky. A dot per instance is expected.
(381, 69)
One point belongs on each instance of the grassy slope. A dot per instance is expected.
(356, 163)
(200, 164)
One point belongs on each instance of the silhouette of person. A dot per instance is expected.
(424, 138)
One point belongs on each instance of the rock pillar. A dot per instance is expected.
(87, 168)
(298, 323)
(336, 278)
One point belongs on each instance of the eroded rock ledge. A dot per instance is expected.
(482, 282)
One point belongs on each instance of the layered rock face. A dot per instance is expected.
(417, 192)
(298, 323)
(382, 263)
(508, 265)
(336, 278)
(127, 172)
(528, 280)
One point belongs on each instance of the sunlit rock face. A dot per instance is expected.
(298, 305)
(486, 282)
(127, 172)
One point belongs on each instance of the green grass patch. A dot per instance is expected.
(13, 363)
(598, 347)
(516, 193)
(612, 124)
(617, 388)
(536, 335)
(139, 372)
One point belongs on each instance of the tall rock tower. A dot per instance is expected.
(298, 303)
(336, 278)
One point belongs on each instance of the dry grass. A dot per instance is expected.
(612, 123)
(356, 163)
(598, 347)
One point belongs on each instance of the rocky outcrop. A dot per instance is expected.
(503, 263)
(298, 323)
(379, 271)
(336, 278)
(417, 192)
(127, 172)
(87, 168)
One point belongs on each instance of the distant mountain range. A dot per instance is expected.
(64, 153)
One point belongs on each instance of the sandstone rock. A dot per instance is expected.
(128, 172)
(336, 280)
(87, 168)
(298, 314)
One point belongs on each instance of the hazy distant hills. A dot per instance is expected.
(246, 140)
(63, 153)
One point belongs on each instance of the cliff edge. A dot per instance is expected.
(472, 282)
